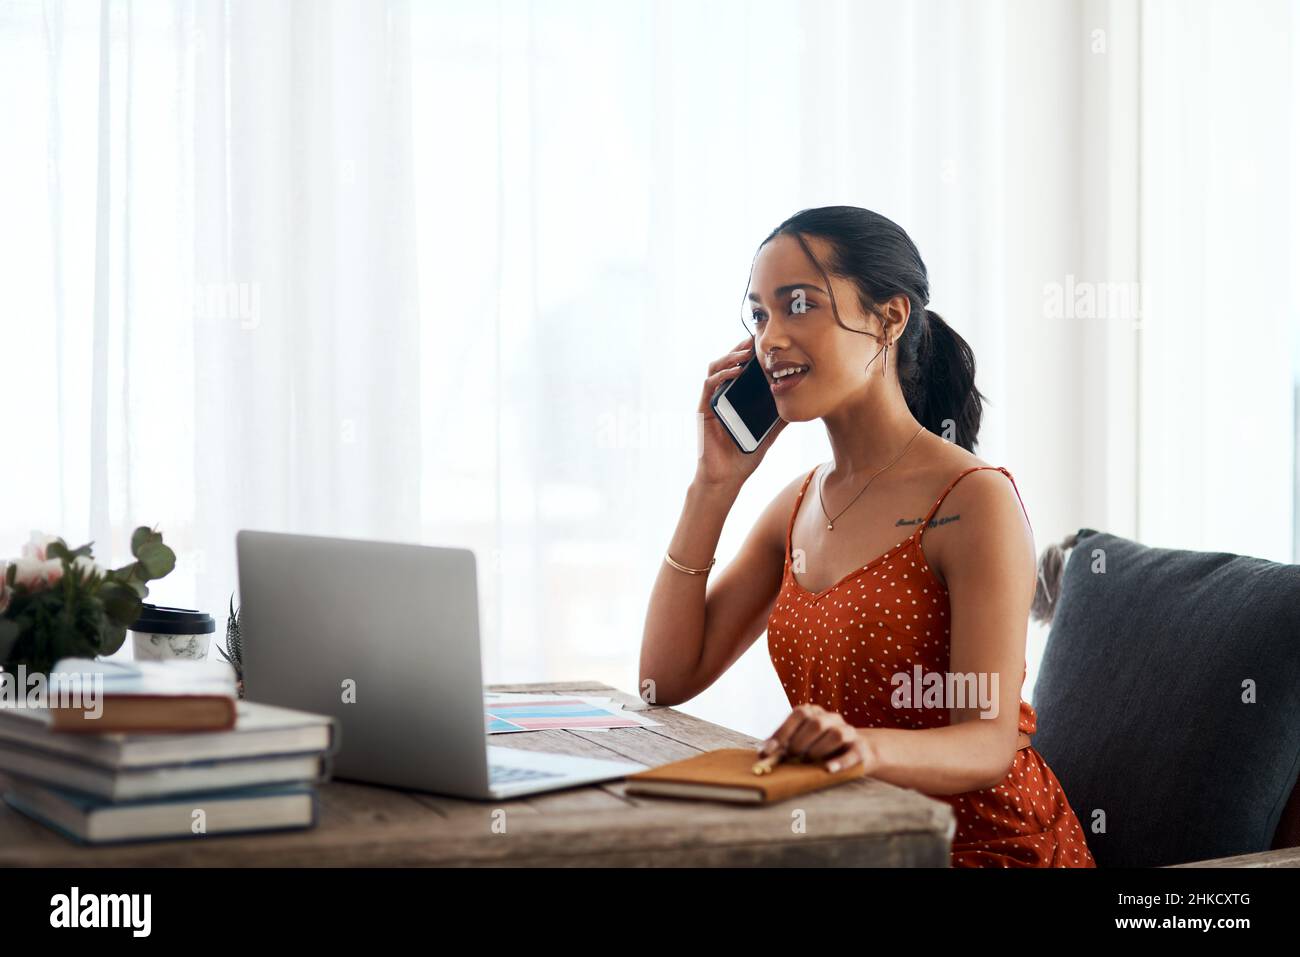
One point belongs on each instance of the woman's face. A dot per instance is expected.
(788, 308)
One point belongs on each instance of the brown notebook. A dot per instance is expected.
(146, 712)
(726, 774)
(135, 696)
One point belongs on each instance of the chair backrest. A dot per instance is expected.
(1288, 828)
(1168, 698)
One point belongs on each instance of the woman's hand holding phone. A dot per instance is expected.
(720, 461)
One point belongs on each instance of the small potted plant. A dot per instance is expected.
(234, 650)
(57, 602)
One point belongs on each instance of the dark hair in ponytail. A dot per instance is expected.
(1051, 569)
(936, 367)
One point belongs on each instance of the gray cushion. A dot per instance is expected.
(1139, 699)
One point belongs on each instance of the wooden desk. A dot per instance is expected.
(862, 823)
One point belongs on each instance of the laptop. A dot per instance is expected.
(385, 638)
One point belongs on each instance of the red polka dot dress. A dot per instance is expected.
(839, 649)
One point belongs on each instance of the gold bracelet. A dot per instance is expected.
(694, 571)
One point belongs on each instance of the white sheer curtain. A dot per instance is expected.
(452, 272)
(1220, 341)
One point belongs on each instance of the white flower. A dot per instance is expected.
(39, 542)
(36, 573)
(87, 566)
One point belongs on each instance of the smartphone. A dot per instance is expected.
(745, 407)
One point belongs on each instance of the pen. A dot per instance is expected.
(765, 765)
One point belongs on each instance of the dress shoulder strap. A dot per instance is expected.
(935, 508)
(789, 532)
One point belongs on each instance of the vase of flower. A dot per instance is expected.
(58, 602)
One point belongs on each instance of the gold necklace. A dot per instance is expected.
(830, 522)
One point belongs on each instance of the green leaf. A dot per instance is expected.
(131, 576)
(156, 559)
(121, 604)
(9, 632)
(56, 549)
(141, 537)
(111, 638)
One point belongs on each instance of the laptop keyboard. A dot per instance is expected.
(505, 774)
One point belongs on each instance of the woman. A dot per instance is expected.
(836, 309)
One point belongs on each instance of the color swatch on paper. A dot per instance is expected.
(541, 713)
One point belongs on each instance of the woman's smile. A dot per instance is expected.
(784, 376)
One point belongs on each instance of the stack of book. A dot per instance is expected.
(165, 750)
